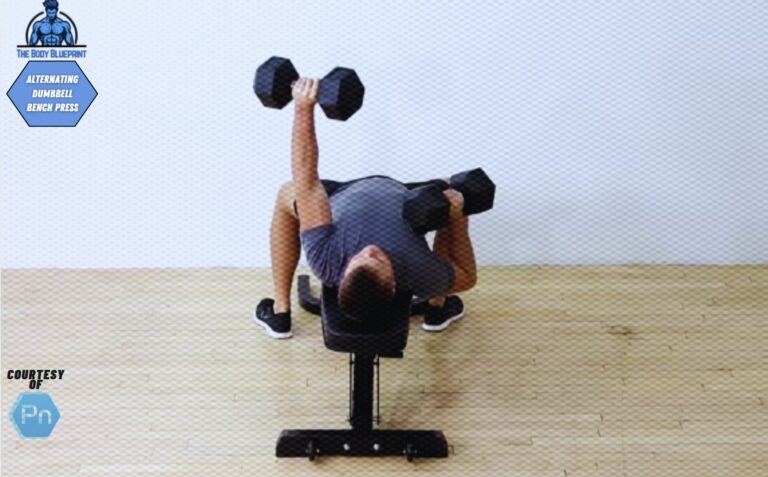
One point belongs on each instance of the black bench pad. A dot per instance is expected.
(386, 339)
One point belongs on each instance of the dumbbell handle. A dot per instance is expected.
(446, 186)
(293, 83)
(433, 202)
(446, 199)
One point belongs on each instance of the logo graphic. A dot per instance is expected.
(51, 30)
(34, 415)
(52, 93)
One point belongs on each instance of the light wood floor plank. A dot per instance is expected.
(554, 371)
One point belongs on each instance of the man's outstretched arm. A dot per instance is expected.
(311, 199)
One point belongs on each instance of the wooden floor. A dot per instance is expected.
(555, 371)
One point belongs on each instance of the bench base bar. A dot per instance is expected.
(374, 443)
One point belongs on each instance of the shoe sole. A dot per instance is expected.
(270, 332)
(443, 326)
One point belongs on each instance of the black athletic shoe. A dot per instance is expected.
(438, 319)
(276, 325)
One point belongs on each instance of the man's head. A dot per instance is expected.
(51, 8)
(368, 286)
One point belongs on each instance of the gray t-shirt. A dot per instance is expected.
(369, 212)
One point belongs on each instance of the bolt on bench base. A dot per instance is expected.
(367, 443)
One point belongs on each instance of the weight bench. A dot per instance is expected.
(365, 345)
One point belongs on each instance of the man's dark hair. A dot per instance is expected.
(49, 4)
(364, 297)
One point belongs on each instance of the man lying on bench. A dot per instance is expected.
(355, 238)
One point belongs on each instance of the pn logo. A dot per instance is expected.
(34, 415)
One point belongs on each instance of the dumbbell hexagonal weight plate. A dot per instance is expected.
(273, 82)
(477, 188)
(341, 93)
(426, 208)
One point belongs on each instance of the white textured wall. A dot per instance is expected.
(616, 131)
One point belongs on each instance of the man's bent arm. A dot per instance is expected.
(462, 255)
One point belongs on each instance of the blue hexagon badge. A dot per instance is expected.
(34, 415)
(52, 93)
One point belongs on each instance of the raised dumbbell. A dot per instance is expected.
(340, 92)
(426, 208)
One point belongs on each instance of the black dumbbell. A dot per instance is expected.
(426, 208)
(340, 92)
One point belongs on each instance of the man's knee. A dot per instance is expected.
(286, 198)
(286, 189)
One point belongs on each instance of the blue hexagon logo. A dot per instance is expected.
(34, 415)
(52, 93)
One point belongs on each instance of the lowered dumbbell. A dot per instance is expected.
(426, 208)
(340, 93)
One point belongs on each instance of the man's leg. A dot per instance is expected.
(285, 247)
(442, 310)
(442, 248)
